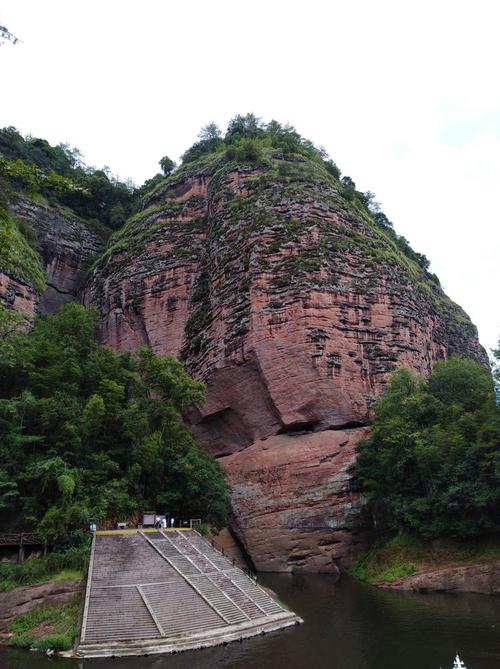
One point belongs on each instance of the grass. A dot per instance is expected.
(68, 575)
(403, 555)
(55, 566)
(47, 627)
(16, 255)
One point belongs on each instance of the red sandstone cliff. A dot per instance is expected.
(294, 307)
(66, 246)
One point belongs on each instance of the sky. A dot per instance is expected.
(403, 95)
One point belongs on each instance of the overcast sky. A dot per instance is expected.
(403, 95)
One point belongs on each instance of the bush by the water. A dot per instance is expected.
(90, 434)
(432, 463)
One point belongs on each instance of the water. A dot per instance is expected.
(348, 625)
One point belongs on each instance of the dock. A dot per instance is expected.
(164, 591)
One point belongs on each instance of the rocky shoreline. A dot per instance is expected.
(20, 601)
(482, 578)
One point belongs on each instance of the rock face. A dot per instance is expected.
(292, 500)
(21, 600)
(67, 246)
(15, 293)
(294, 307)
(482, 578)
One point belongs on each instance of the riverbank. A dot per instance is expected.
(442, 565)
(42, 616)
(40, 600)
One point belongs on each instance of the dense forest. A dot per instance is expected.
(90, 434)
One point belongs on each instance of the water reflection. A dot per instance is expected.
(348, 626)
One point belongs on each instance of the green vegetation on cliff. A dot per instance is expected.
(432, 464)
(35, 168)
(290, 216)
(87, 433)
(248, 141)
(17, 257)
(405, 554)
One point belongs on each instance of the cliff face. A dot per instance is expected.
(65, 245)
(294, 307)
(18, 293)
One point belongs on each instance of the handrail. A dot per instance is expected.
(21, 539)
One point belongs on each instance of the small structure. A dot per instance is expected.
(23, 539)
(458, 664)
(148, 519)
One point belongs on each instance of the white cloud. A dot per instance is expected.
(403, 96)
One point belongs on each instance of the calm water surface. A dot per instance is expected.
(348, 625)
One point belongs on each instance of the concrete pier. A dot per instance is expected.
(160, 591)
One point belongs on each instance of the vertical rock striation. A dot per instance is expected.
(63, 248)
(294, 307)
(67, 246)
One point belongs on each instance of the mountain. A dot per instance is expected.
(291, 296)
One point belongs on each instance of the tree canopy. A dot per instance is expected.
(432, 463)
(167, 165)
(88, 433)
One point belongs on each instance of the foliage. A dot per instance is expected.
(496, 370)
(16, 255)
(34, 167)
(404, 554)
(246, 141)
(247, 136)
(432, 463)
(88, 433)
(61, 621)
(56, 565)
(33, 179)
(167, 165)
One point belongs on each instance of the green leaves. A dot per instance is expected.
(86, 432)
(432, 463)
(8, 490)
(16, 255)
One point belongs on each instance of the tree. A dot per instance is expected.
(32, 166)
(167, 165)
(381, 219)
(210, 133)
(348, 183)
(496, 370)
(244, 127)
(88, 432)
(432, 463)
(370, 203)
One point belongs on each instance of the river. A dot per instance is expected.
(348, 625)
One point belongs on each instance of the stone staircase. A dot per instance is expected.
(160, 591)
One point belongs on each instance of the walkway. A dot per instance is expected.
(157, 591)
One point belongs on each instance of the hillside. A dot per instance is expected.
(290, 294)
